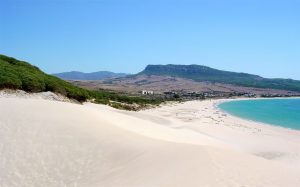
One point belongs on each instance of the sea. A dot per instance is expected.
(278, 112)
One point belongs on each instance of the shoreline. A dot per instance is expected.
(250, 120)
(238, 124)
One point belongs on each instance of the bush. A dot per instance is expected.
(32, 83)
(54, 85)
(9, 80)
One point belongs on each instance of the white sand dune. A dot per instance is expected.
(50, 143)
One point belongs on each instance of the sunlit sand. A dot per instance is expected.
(52, 143)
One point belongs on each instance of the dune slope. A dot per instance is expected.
(48, 143)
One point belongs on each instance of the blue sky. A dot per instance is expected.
(254, 36)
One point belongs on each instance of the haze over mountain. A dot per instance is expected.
(99, 75)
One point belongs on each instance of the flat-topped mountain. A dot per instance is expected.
(195, 72)
(206, 74)
(99, 75)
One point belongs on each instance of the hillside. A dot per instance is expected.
(182, 86)
(203, 73)
(99, 75)
(16, 74)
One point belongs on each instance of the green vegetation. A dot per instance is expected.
(104, 97)
(15, 74)
(203, 73)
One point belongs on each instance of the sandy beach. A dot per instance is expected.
(54, 143)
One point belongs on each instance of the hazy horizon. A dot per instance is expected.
(256, 37)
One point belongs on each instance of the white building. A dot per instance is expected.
(147, 92)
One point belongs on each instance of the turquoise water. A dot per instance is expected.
(280, 112)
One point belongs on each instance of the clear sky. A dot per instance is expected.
(254, 36)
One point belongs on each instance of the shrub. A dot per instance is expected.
(32, 83)
(9, 80)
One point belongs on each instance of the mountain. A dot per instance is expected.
(76, 75)
(206, 74)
